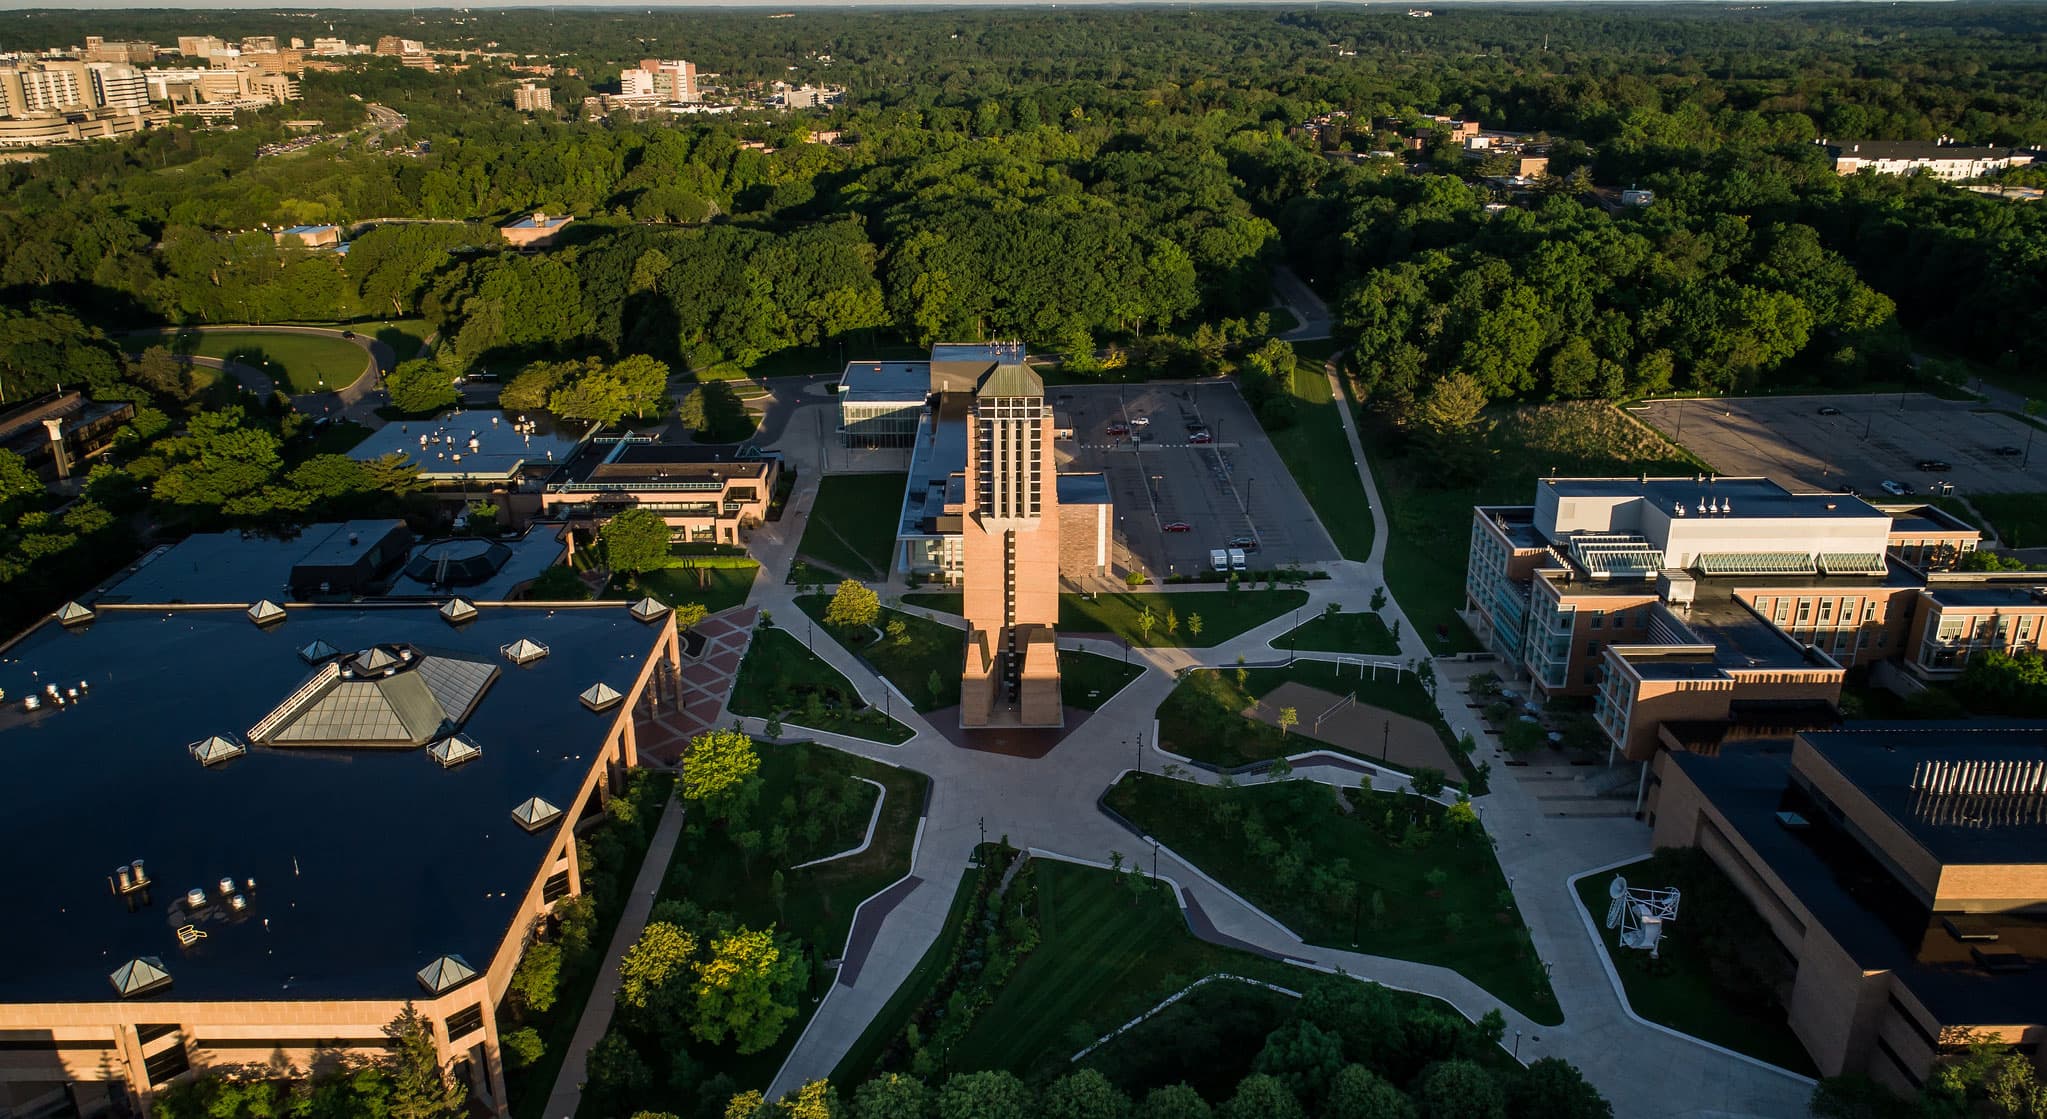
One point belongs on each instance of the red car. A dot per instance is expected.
(1201, 437)
(1119, 429)
(1176, 526)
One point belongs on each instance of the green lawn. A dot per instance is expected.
(1315, 452)
(852, 526)
(1087, 680)
(2019, 518)
(607, 884)
(1208, 1040)
(1362, 633)
(1682, 988)
(928, 649)
(337, 438)
(718, 588)
(945, 602)
(781, 677)
(1224, 614)
(711, 872)
(406, 337)
(1106, 953)
(1429, 516)
(1203, 717)
(726, 419)
(299, 363)
(858, 1063)
(1394, 877)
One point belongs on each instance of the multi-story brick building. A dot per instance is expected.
(705, 493)
(1009, 526)
(1677, 599)
(1902, 871)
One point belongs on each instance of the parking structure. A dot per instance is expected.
(1146, 440)
(1859, 442)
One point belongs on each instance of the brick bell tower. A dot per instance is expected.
(1010, 547)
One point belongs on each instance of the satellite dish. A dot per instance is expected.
(1617, 887)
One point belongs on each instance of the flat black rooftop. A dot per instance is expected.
(1880, 757)
(1879, 924)
(369, 863)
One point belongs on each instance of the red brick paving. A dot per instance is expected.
(664, 730)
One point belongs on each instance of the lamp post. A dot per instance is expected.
(1385, 738)
(1154, 860)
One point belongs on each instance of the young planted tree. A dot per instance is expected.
(1288, 718)
(1194, 626)
(719, 771)
(853, 604)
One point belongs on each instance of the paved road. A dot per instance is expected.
(1049, 804)
(1304, 303)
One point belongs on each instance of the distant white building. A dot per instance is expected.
(1922, 157)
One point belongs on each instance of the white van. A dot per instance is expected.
(1236, 559)
(1218, 559)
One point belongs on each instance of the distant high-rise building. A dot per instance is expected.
(259, 44)
(198, 46)
(118, 86)
(392, 45)
(98, 49)
(531, 98)
(634, 82)
(674, 79)
(804, 97)
(48, 87)
(330, 46)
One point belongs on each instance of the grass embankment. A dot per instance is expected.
(1318, 455)
(1705, 980)
(779, 677)
(299, 363)
(888, 1025)
(616, 848)
(718, 588)
(1361, 633)
(1087, 680)
(1429, 513)
(927, 653)
(852, 526)
(2020, 519)
(808, 799)
(1203, 717)
(1397, 876)
(945, 602)
(1223, 615)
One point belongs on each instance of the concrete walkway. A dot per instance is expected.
(568, 1084)
(1049, 804)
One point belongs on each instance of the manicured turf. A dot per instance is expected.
(1679, 989)
(929, 648)
(1203, 717)
(297, 362)
(1318, 455)
(2019, 518)
(1429, 515)
(1106, 954)
(852, 526)
(858, 1063)
(711, 871)
(1306, 850)
(1224, 614)
(718, 588)
(779, 676)
(1361, 633)
(1087, 680)
(406, 337)
(945, 602)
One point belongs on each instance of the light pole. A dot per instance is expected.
(1139, 743)
(1154, 860)
(1385, 738)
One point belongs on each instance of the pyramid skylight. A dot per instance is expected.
(266, 613)
(72, 614)
(391, 695)
(315, 651)
(445, 974)
(457, 610)
(523, 651)
(648, 609)
(140, 976)
(454, 750)
(536, 814)
(599, 696)
(214, 749)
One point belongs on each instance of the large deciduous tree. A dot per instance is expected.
(635, 541)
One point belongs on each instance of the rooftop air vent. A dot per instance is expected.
(214, 749)
(600, 696)
(266, 613)
(523, 651)
(454, 750)
(140, 976)
(457, 610)
(445, 974)
(648, 609)
(74, 614)
(315, 651)
(535, 814)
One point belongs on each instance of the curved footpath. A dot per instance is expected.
(1049, 804)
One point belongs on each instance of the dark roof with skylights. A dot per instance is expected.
(369, 860)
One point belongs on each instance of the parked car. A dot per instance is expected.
(1201, 437)
(1894, 489)
(1176, 526)
(1247, 543)
(1935, 466)
(2007, 451)
(1830, 410)
(1140, 421)
(1119, 429)
(349, 335)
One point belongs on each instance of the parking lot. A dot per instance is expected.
(1234, 487)
(1860, 443)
